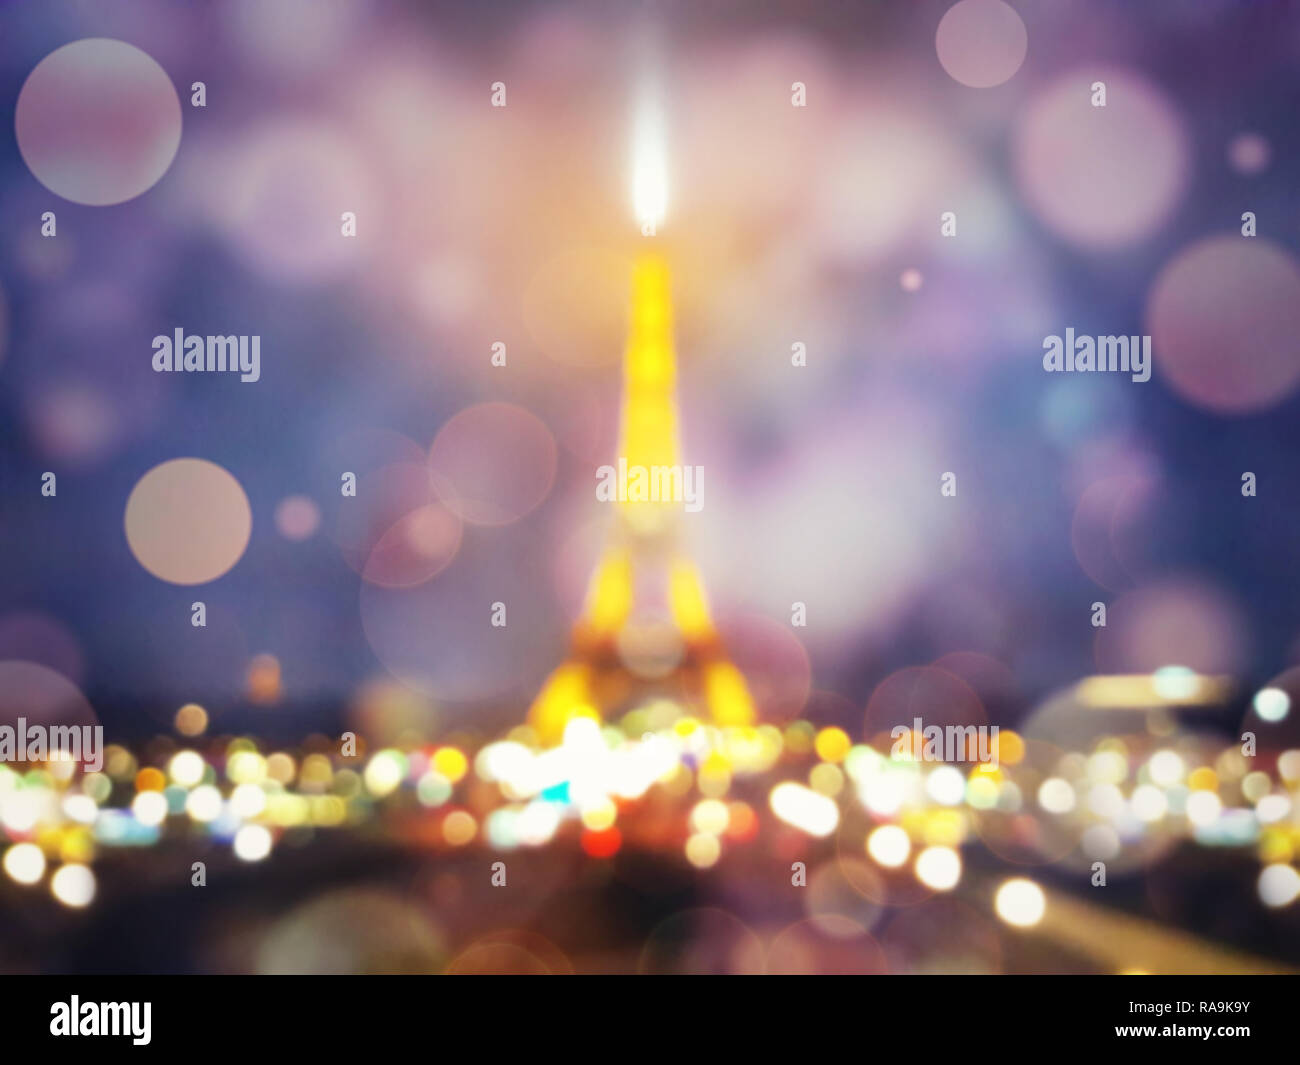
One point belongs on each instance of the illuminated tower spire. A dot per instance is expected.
(645, 629)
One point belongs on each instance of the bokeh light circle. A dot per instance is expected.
(297, 517)
(497, 462)
(385, 497)
(935, 696)
(1177, 621)
(1249, 153)
(419, 545)
(1020, 902)
(1273, 714)
(36, 637)
(1102, 177)
(1223, 318)
(188, 521)
(41, 697)
(98, 121)
(981, 43)
(74, 885)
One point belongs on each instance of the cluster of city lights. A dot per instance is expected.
(662, 779)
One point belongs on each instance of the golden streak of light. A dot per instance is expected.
(689, 604)
(609, 598)
(728, 694)
(1144, 690)
(1120, 941)
(565, 696)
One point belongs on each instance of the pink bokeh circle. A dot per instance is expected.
(1102, 177)
(494, 462)
(1223, 317)
(98, 121)
(981, 43)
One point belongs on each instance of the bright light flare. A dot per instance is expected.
(649, 163)
(939, 868)
(1020, 902)
(25, 863)
(889, 845)
(74, 885)
(1279, 885)
(803, 808)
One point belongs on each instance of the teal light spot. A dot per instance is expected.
(557, 792)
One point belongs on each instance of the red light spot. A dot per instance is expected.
(602, 844)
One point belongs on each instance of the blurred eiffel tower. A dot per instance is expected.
(645, 630)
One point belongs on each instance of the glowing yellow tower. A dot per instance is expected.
(645, 629)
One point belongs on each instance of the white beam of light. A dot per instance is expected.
(649, 163)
